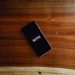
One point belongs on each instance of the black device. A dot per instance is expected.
(36, 38)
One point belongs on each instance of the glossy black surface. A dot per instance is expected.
(36, 38)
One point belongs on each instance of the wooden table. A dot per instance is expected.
(56, 18)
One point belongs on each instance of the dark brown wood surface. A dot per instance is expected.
(56, 18)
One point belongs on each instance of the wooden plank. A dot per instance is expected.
(35, 71)
(57, 21)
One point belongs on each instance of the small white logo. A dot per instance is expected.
(36, 38)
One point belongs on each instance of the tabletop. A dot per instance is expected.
(56, 18)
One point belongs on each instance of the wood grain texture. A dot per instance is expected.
(35, 71)
(56, 18)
